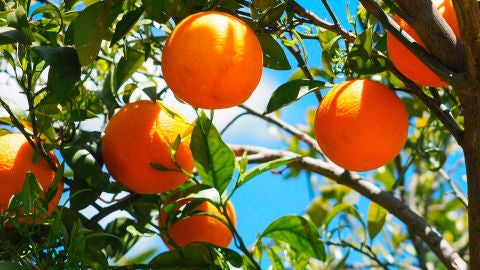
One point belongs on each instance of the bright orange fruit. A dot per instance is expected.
(137, 147)
(200, 228)
(406, 62)
(212, 60)
(361, 125)
(16, 159)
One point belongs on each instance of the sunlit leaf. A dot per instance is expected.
(376, 219)
(292, 91)
(214, 160)
(299, 233)
(90, 27)
(267, 166)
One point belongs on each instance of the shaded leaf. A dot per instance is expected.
(11, 35)
(64, 73)
(273, 55)
(90, 27)
(84, 164)
(125, 24)
(291, 91)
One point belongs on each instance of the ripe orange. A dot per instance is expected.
(199, 228)
(212, 60)
(137, 147)
(361, 125)
(406, 62)
(15, 161)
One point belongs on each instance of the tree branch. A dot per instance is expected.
(436, 63)
(393, 205)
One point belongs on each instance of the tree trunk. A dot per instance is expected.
(471, 149)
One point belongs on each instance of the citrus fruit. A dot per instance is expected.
(361, 125)
(212, 60)
(16, 159)
(138, 144)
(199, 227)
(406, 62)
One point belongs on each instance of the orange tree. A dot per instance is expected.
(73, 61)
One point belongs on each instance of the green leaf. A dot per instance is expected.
(299, 233)
(330, 50)
(214, 160)
(155, 13)
(198, 255)
(345, 208)
(90, 28)
(9, 266)
(10, 35)
(292, 91)
(267, 166)
(19, 20)
(376, 219)
(84, 165)
(361, 59)
(64, 73)
(128, 65)
(125, 24)
(273, 55)
(275, 260)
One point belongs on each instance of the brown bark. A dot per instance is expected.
(437, 35)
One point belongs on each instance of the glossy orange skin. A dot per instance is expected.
(212, 60)
(200, 228)
(16, 159)
(406, 62)
(140, 135)
(361, 125)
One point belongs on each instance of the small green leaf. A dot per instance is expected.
(84, 164)
(64, 73)
(128, 65)
(267, 166)
(10, 35)
(214, 160)
(125, 24)
(273, 55)
(155, 13)
(292, 91)
(345, 208)
(299, 233)
(376, 219)
(90, 28)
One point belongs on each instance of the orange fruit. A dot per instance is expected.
(361, 125)
(212, 60)
(406, 62)
(137, 147)
(16, 159)
(199, 227)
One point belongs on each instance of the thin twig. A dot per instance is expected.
(285, 126)
(456, 191)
